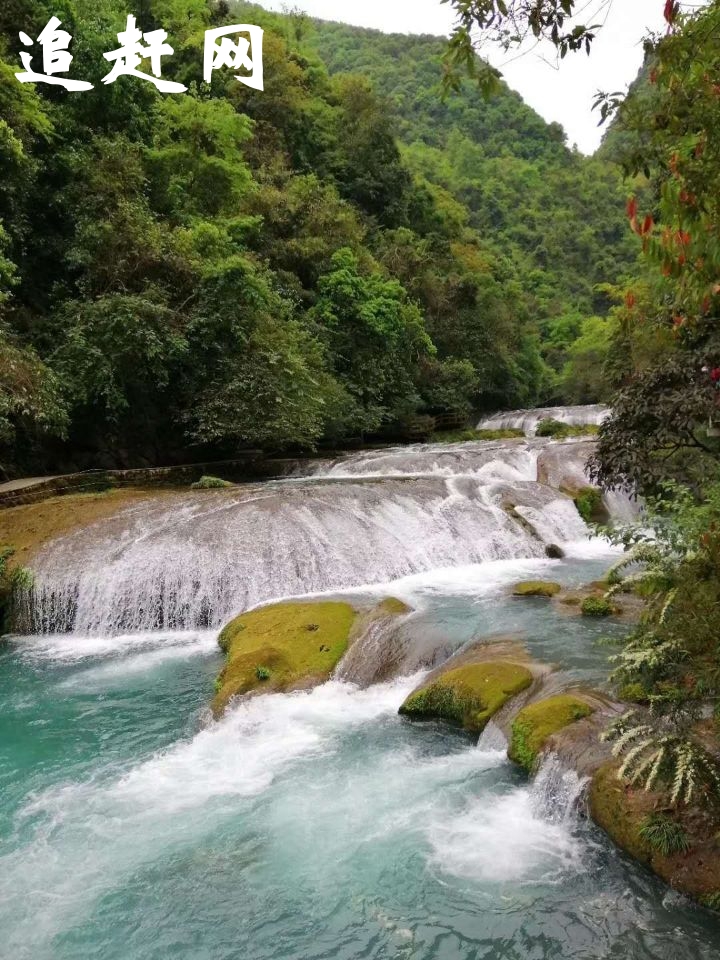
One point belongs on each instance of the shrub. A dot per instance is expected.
(557, 430)
(589, 503)
(596, 607)
(664, 835)
(551, 428)
(262, 673)
(210, 483)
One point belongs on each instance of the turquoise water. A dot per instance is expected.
(315, 825)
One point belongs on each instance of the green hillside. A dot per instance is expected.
(559, 214)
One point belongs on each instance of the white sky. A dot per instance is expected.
(563, 93)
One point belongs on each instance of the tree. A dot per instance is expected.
(508, 23)
(375, 338)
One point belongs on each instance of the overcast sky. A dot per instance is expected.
(564, 94)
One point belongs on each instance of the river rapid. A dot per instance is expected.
(317, 825)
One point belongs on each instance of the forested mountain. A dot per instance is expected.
(557, 213)
(186, 274)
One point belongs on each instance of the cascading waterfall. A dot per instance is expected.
(193, 560)
(528, 420)
(557, 790)
(316, 822)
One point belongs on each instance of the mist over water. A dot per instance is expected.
(317, 824)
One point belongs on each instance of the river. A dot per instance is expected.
(316, 825)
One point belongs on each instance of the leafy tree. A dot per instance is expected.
(375, 337)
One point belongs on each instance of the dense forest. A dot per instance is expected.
(182, 276)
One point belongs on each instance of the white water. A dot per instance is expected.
(194, 560)
(315, 824)
(528, 420)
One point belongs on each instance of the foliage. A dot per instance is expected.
(671, 661)
(550, 428)
(507, 23)
(262, 673)
(12, 578)
(666, 348)
(589, 503)
(210, 483)
(664, 835)
(229, 268)
(596, 607)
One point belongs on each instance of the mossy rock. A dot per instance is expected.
(391, 607)
(535, 724)
(297, 644)
(468, 696)
(536, 588)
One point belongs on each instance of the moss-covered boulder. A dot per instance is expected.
(535, 724)
(624, 813)
(536, 588)
(283, 647)
(470, 695)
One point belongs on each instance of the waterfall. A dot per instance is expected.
(557, 791)
(492, 738)
(191, 560)
(528, 420)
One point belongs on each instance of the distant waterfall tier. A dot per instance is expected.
(528, 420)
(192, 560)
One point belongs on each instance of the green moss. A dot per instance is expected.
(210, 483)
(468, 696)
(535, 724)
(611, 808)
(597, 607)
(296, 644)
(391, 606)
(536, 588)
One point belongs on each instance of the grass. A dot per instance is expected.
(468, 696)
(664, 835)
